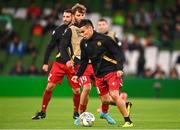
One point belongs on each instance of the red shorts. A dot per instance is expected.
(108, 82)
(58, 71)
(87, 76)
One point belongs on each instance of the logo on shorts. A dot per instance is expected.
(99, 43)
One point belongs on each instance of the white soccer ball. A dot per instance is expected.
(87, 119)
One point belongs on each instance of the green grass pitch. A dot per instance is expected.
(16, 113)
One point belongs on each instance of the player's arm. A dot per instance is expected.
(117, 40)
(83, 63)
(50, 47)
(117, 52)
(65, 43)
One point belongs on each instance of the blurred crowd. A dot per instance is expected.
(138, 32)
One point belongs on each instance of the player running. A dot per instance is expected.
(106, 57)
(103, 28)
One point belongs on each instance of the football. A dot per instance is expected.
(87, 119)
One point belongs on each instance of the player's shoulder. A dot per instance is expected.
(101, 36)
(98, 35)
(74, 28)
(62, 27)
(112, 33)
(59, 29)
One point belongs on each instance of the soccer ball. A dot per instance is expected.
(87, 119)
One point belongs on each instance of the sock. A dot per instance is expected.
(76, 100)
(82, 108)
(46, 98)
(127, 104)
(105, 108)
(127, 119)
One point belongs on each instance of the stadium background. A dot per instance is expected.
(150, 35)
(148, 30)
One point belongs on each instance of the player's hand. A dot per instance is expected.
(70, 64)
(75, 79)
(45, 67)
(119, 73)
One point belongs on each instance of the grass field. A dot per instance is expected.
(16, 113)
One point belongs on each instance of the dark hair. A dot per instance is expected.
(68, 11)
(102, 20)
(86, 22)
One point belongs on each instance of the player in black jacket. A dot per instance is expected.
(59, 69)
(103, 28)
(72, 39)
(106, 58)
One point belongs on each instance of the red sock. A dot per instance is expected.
(76, 100)
(82, 108)
(46, 98)
(105, 108)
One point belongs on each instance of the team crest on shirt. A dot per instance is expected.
(99, 43)
(58, 55)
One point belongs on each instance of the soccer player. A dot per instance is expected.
(59, 69)
(103, 27)
(106, 57)
(72, 38)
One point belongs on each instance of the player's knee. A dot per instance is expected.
(87, 89)
(114, 95)
(50, 86)
(76, 91)
(105, 100)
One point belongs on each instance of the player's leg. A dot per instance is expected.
(123, 96)
(105, 107)
(85, 82)
(128, 107)
(76, 101)
(46, 98)
(121, 107)
(84, 97)
(83, 100)
(70, 72)
(55, 76)
(114, 84)
(76, 97)
(103, 92)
